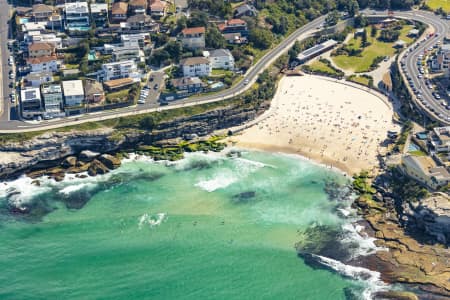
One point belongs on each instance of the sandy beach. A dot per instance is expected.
(335, 124)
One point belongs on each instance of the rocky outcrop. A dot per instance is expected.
(408, 260)
(432, 215)
(50, 149)
(111, 162)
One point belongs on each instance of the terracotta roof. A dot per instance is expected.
(138, 3)
(119, 8)
(40, 46)
(42, 8)
(157, 5)
(115, 83)
(194, 61)
(236, 22)
(193, 30)
(39, 60)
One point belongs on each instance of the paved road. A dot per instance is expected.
(251, 76)
(4, 68)
(430, 106)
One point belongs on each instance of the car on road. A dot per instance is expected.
(155, 87)
(11, 76)
(151, 78)
(246, 81)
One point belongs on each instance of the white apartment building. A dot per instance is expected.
(128, 53)
(120, 69)
(73, 92)
(43, 64)
(441, 61)
(196, 66)
(77, 16)
(220, 59)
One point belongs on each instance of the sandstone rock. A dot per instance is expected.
(397, 295)
(70, 161)
(97, 168)
(111, 162)
(88, 155)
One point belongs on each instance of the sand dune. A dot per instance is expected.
(336, 124)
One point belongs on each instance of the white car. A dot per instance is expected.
(246, 81)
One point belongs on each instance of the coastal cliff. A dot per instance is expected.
(50, 149)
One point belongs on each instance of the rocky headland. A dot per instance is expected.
(96, 151)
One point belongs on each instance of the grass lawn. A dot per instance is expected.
(418, 153)
(321, 67)
(362, 63)
(360, 79)
(118, 96)
(221, 73)
(435, 4)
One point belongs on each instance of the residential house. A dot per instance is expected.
(55, 22)
(40, 49)
(44, 63)
(245, 10)
(49, 38)
(196, 66)
(220, 59)
(119, 11)
(118, 84)
(140, 39)
(235, 38)
(93, 91)
(158, 8)
(99, 14)
(53, 98)
(41, 12)
(190, 85)
(440, 139)
(193, 38)
(121, 69)
(234, 26)
(424, 170)
(30, 102)
(36, 79)
(73, 92)
(127, 53)
(141, 22)
(77, 16)
(138, 6)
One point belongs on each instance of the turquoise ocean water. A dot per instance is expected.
(207, 227)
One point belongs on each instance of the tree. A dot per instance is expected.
(214, 38)
(198, 19)
(373, 31)
(360, 21)
(332, 18)
(364, 38)
(353, 8)
(174, 49)
(261, 38)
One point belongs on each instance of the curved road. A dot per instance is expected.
(251, 76)
(409, 69)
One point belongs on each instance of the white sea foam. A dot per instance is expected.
(370, 279)
(21, 191)
(240, 168)
(354, 234)
(152, 220)
(220, 181)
